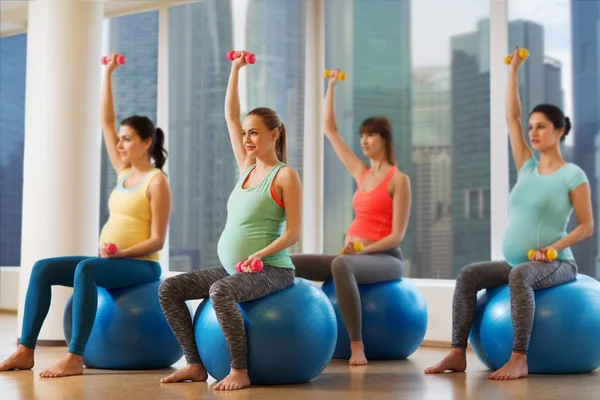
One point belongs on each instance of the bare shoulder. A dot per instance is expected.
(158, 184)
(286, 174)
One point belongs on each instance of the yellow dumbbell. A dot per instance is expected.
(522, 53)
(341, 75)
(358, 247)
(551, 254)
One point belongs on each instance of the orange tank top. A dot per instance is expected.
(372, 209)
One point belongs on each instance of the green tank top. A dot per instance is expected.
(254, 221)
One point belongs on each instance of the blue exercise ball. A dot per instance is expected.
(290, 334)
(565, 338)
(130, 331)
(394, 320)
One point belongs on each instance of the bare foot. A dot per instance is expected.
(21, 359)
(357, 356)
(237, 379)
(69, 365)
(191, 372)
(456, 361)
(515, 368)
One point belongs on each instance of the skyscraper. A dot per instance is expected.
(134, 84)
(585, 45)
(13, 53)
(275, 32)
(370, 40)
(470, 99)
(431, 135)
(202, 167)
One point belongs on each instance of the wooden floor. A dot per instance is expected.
(377, 381)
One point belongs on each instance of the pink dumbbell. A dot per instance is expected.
(120, 60)
(250, 58)
(110, 248)
(255, 265)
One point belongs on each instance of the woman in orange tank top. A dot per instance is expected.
(381, 204)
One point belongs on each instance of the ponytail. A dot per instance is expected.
(281, 144)
(158, 151)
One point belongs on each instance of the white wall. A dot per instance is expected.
(9, 288)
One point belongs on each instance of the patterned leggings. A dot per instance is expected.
(225, 292)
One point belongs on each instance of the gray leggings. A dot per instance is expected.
(522, 280)
(225, 292)
(347, 271)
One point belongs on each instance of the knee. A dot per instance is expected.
(339, 266)
(518, 275)
(40, 270)
(169, 290)
(84, 270)
(218, 292)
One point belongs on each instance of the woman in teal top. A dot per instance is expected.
(540, 205)
(267, 194)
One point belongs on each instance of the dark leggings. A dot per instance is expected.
(84, 274)
(225, 291)
(522, 280)
(347, 272)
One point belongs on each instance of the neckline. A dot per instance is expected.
(122, 188)
(378, 184)
(262, 180)
(537, 171)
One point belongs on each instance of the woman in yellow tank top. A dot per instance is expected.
(129, 242)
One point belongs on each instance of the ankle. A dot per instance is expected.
(357, 343)
(75, 357)
(458, 351)
(239, 371)
(25, 350)
(517, 356)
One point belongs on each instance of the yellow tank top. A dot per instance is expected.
(129, 218)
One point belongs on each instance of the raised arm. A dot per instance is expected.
(233, 114)
(107, 117)
(351, 162)
(521, 152)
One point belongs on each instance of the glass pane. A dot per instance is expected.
(13, 53)
(563, 69)
(134, 84)
(433, 85)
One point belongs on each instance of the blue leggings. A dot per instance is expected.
(84, 274)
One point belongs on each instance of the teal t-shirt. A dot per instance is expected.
(539, 208)
(254, 221)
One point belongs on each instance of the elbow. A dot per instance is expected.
(159, 243)
(588, 229)
(294, 237)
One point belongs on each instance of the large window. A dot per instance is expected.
(134, 84)
(13, 50)
(204, 171)
(564, 69)
(433, 85)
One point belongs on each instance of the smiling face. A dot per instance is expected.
(130, 146)
(542, 133)
(256, 137)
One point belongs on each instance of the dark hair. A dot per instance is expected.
(556, 116)
(383, 127)
(145, 130)
(272, 121)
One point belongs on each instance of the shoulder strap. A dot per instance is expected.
(362, 176)
(124, 174)
(267, 183)
(148, 179)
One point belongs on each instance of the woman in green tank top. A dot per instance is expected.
(267, 194)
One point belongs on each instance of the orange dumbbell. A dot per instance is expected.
(522, 54)
(550, 254)
(341, 76)
(358, 247)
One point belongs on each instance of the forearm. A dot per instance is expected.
(286, 240)
(384, 244)
(232, 99)
(513, 103)
(329, 112)
(107, 109)
(581, 232)
(146, 247)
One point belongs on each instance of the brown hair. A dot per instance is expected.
(272, 121)
(382, 127)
